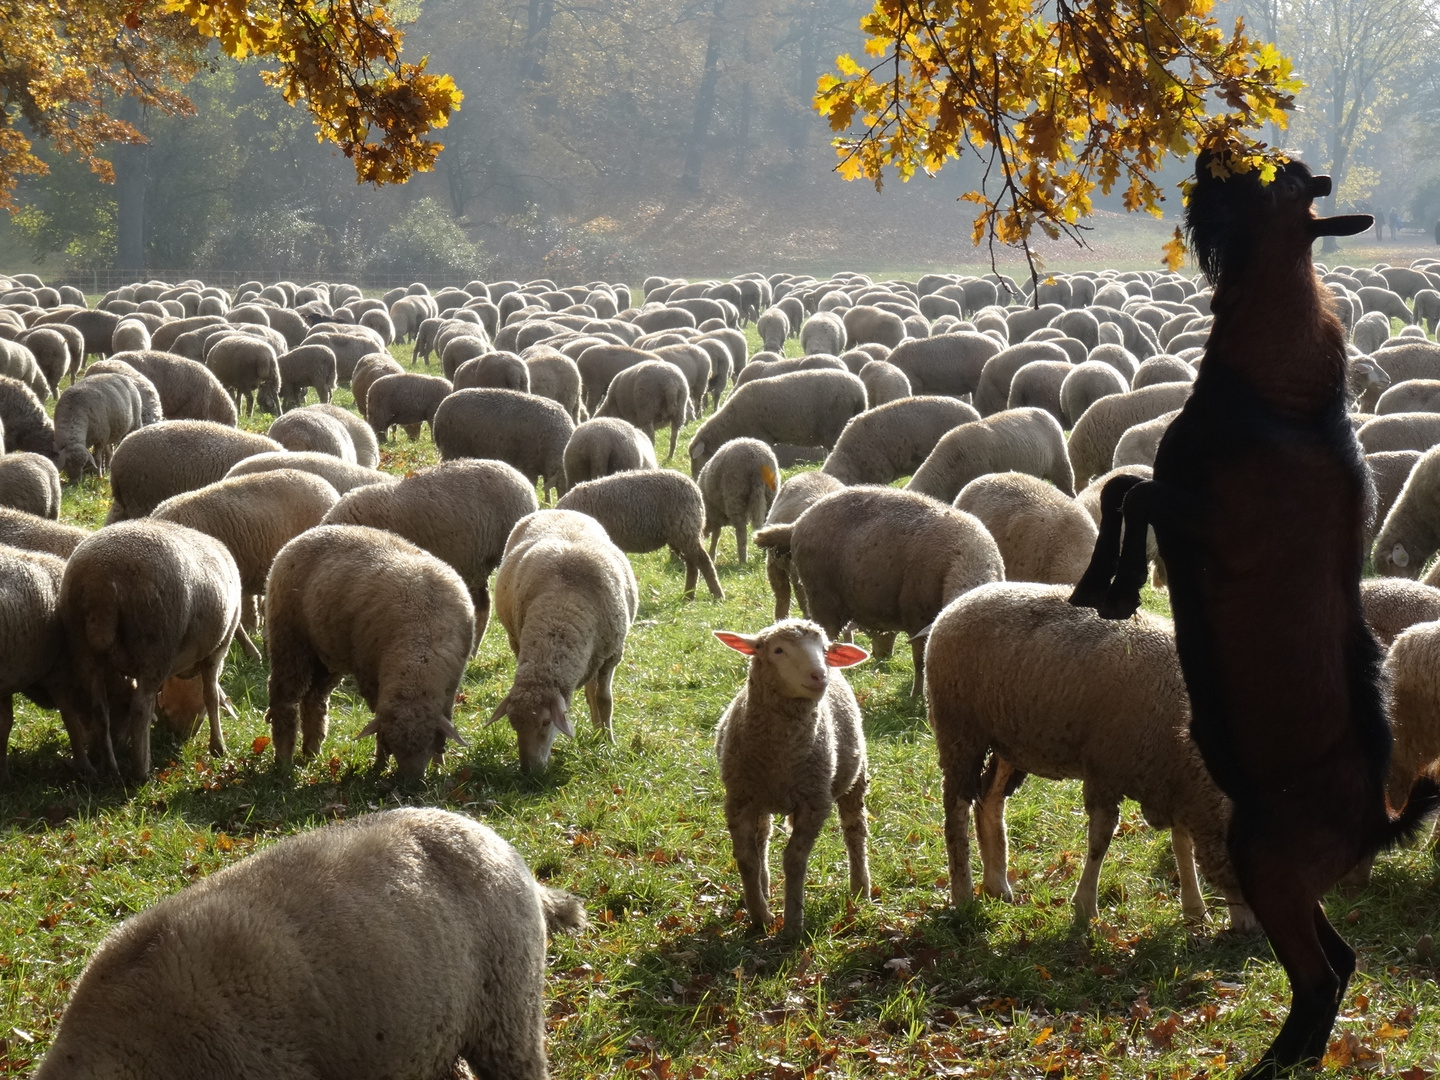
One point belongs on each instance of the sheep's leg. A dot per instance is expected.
(480, 597)
(882, 645)
(315, 712)
(138, 720)
(806, 824)
(917, 656)
(600, 699)
(247, 646)
(957, 841)
(292, 669)
(779, 576)
(697, 557)
(990, 831)
(851, 806)
(675, 426)
(740, 537)
(7, 721)
(750, 838)
(714, 541)
(1192, 903)
(801, 597)
(210, 690)
(1103, 820)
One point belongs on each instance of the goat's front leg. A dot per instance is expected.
(1095, 582)
(1172, 510)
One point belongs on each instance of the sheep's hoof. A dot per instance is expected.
(217, 747)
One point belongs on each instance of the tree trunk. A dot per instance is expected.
(705, 98)
(742, 152)
(537, 40)
(130, 161)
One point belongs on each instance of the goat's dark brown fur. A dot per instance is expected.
(1259, 501)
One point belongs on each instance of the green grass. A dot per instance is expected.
(669, 981)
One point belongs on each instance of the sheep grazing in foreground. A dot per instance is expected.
(303, 368)
(172, 456)
(21, 529)
(646, 509)
(804, 408)
(1410, 532)
(1098, 430)
(648, 395)
(150, 408)
(390, 946)
(33, 657)
(459, 511)
(24, 423)
(350, 600)
(407, 400)
(791, 742)
(343, 476)
(1411, 673)
(1043, 534)
(1259, 506)
(91, 417)
(1015, 671)
(30, 482)
(738, 484)
(188, 390)
(143, 601)
(795, 496)
(1393, 605)
(1015, 440)
(246, 367)
(566, 596)
(522, 430)
(369, 369)
(889, 560)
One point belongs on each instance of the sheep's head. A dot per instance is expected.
(268, 398)
(1224, 217)
(414, 732)
(798, 655)
(537, 717)
(73, 460)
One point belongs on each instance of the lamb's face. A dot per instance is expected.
(798, 660)
(73, 461)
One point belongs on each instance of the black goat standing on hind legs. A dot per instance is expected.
(1258, 502)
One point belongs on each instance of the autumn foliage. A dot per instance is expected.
(1057, 98)
(65, 63)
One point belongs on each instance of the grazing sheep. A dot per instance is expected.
(1410, 532)
(1411, 396)
(889, 560)
(1409, 672)
(173, 456)
(343, 476)
(738, 484)
(18, 362)
(407, 400)
(1014, 670)
(367, 370)
(33, 658)
(884, 382)
(647, 395)
(21, 529)
(97, 327)
(1043, 534)
(391, 946)
(24, 423)
(350, 600)
(993, 389)
(948, 364)
(804, 408)
(309, 366)
(1402, 361)
(51, 350)
(188, 390)
(1393, 605)
(606, 446)
(1162, 369)
(555, 376)
(500, 370)
(1084, 385)
(460, 511)
(760, 368)
(566, 596)
(1037, 385)
(646, 509)
(1099, 428)
(1140, 443)
(822, 332)
(1370, 331)
(91, 417)
(791, 742)
(301, 429)
(254, 516)
(129, 334)
(1388, 470)
(795, 496)
(599, 364)
(367, 448)
(885, 443)
(1400, 431)
(246, 367)
(773, 326)
(151, 411)
(143, 601)
(30, 482)
(523, 430)
(1018, 440)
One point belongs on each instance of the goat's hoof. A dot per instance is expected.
(1118, 609)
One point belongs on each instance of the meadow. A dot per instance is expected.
(669, 981)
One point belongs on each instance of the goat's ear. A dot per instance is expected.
(1342, 225)
(842, 655)
(741, 643)
(1318, 186)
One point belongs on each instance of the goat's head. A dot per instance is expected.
(1226, 218)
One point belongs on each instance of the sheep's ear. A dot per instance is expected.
(697, 447)
(741, 643)
(448, 730)
(767, 474)
(372, 728)
(500, 710)
(91, 459)
(559, 716)
(842, 655)
(1342, 225)
(1399, 556)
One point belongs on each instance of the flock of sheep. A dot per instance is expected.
(1007, 411)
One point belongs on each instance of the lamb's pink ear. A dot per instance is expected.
(499, 713)
(559, 716)
(449, 731)
(372, 728)
(842, 655)
(741, 643)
